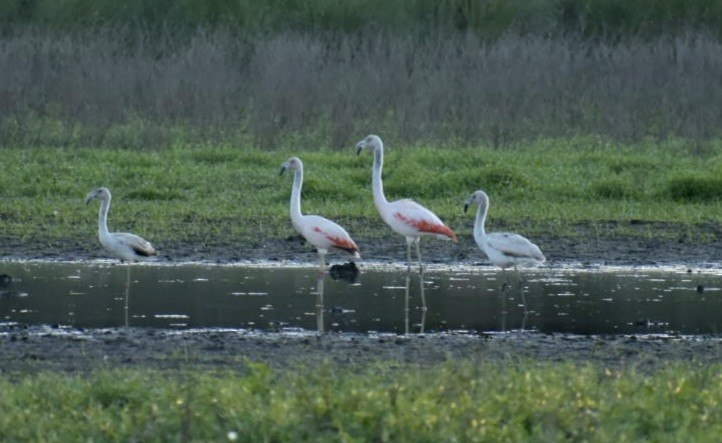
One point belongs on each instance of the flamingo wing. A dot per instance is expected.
(515, 246)
(325, 234)
(139, 245)
(411, 219)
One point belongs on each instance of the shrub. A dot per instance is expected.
(695, 189)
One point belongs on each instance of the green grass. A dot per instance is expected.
(220, 195)
(459, 401)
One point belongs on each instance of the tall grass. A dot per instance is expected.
(106, 88)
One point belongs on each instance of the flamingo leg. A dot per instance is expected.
(319, 303)
(321, 262)
(504, 312)
(525, 310)
(409, 240)
(321, 275)
(421, 276)
(127, 296)
(406, 301)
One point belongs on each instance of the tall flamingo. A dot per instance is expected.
(504, 249)
(406, 217)
(123, 245)
(321, 232)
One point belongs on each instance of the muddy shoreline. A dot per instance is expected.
(629, 243)
(47, 348)
(37, 349)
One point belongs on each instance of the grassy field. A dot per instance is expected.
(459, 401)
(221, 195)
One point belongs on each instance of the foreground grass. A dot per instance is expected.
(222, 195)
(462, 401)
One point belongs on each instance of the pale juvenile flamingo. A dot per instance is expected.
(123, 245)
(504, 249)
(321, 232)
(405, 216)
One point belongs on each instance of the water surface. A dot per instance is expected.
(476, 299)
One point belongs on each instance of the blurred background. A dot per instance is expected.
(145, 74)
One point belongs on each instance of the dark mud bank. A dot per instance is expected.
(78, 351)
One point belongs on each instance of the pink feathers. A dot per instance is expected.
(427, 226)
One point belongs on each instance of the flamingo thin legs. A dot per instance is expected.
(409, 242)
(321, 275)
(127, 296)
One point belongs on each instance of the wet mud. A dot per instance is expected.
(36, 349)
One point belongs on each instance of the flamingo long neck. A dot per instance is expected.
(296, 196)
(479, 231)
(103, 218)
(377, 184)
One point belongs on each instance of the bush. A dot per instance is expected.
(696, 189)
(614, 189)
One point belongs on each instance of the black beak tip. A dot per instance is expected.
(466, 208)
(283, 169)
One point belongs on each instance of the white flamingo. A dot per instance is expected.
(123, 245)
(504, 249)
(405, 216)
(321, 232)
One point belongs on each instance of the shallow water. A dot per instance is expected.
(619, 301)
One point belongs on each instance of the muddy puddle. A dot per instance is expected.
(377, 299)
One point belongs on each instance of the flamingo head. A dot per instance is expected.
(371, 141)
(99, 193)
(477, 198)
(293, 163)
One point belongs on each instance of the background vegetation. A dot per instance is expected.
(565, 110)
(488, 18)
(325, 72)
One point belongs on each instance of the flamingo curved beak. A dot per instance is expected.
(283, 169)
(466, 207)
(360, 147)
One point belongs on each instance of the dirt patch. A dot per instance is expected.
(29, 350)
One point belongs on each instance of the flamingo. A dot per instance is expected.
(123, 245)
(321, 232)
(405, 216)
(504, 249)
